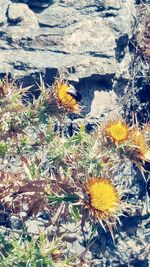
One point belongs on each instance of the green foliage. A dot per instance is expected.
(47, 168)
(3, 149)
(75, 212)
(28, 252)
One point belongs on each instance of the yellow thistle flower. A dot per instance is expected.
(142, 149)
(104, 201)
(65, 98)
(117, 131)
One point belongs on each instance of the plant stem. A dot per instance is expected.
(67, 198)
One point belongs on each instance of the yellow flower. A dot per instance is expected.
(142, 149)
(104, 201)
(65, 98)
(117, 131)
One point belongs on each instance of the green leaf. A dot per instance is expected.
(3, 149)
(75, 213)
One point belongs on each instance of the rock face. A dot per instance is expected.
(83, 40)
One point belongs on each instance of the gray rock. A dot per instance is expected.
(89, 43)
(15, 222)
(58, 16)
(86, 41)
(34, 227)
(3, 9)
(20, 14)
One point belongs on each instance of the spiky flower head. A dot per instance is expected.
(117, 131)
(66, 96)
(104, 201)
(141, 149)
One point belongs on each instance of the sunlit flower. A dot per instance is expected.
(117, 131)
(104, 201)
(66, 96)
(142, 150)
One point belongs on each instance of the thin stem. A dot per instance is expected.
(67, 198)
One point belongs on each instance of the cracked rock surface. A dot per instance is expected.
(91, 37)
(86, 41)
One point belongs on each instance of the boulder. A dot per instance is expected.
(21, 15)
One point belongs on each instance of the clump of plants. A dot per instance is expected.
(25, 251)
(71, 176)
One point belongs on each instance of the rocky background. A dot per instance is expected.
(90, 43)
(86, 41)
